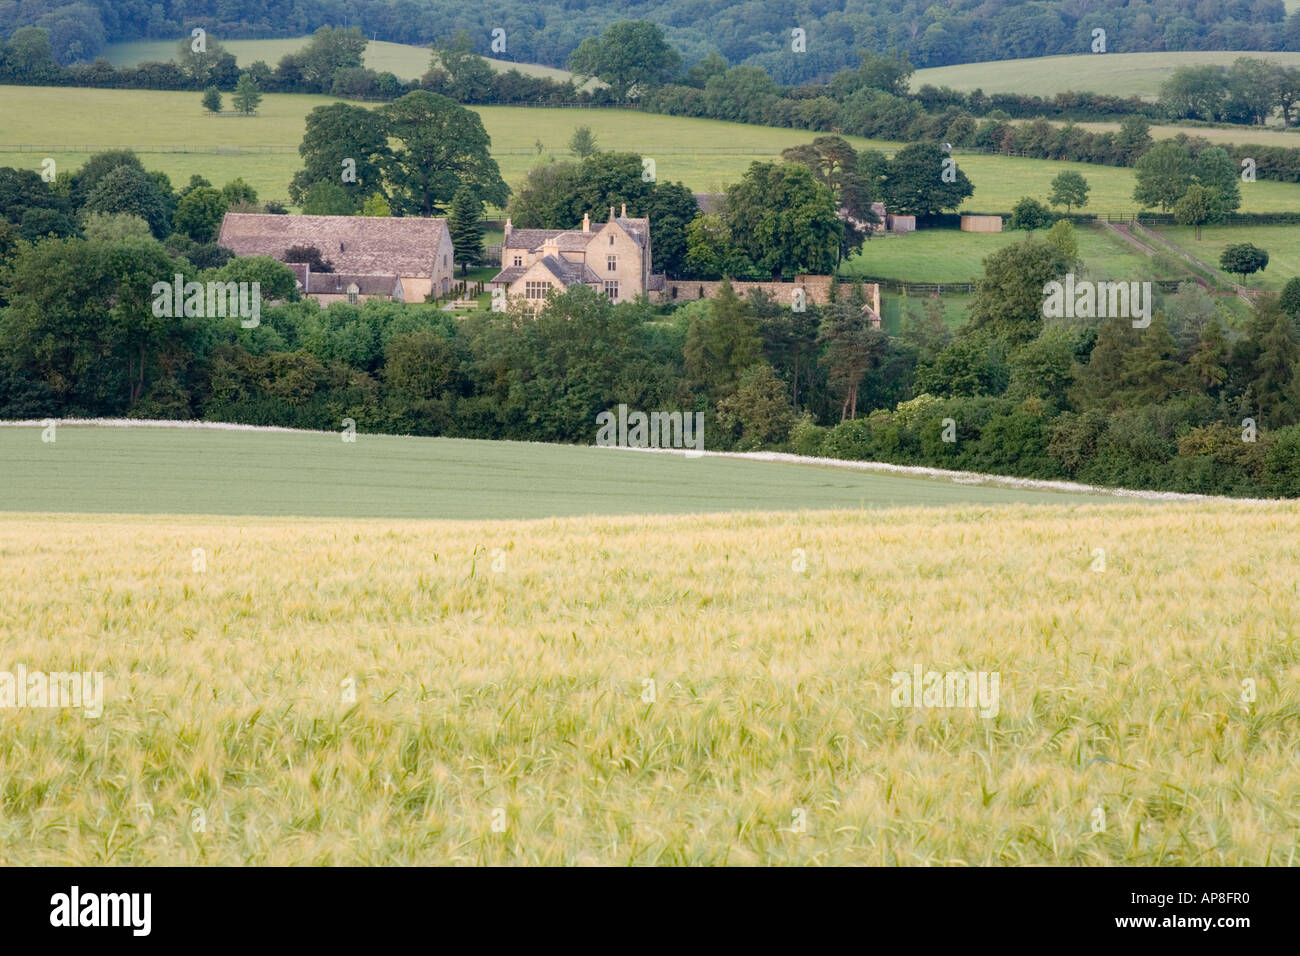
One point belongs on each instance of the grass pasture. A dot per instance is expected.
(68, 124)
(365, 692)
(1281, 242)
(949, 255)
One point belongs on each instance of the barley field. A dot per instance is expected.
(686, 689)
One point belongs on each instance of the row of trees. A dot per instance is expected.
(1250, 91)
(1098, 400)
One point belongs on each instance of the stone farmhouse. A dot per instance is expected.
(613, 258)
(403, 259)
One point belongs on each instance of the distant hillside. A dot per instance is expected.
(757, 32)
(1116, 74)
(403, 60)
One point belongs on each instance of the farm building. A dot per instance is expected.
(981, 223)
(405, 259)
(613, 258)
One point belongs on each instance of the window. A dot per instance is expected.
(611, 238)
(536, 290)
(611, 288)
(352, 298)
(444, 262)
(611, 263)
(519, 260)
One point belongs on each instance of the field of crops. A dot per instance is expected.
(673, 689)
(140, 470)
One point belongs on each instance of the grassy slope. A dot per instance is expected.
(403, 60)
(945, 255)
(181, 471)
(1118, 74)
(683, 148)
(1281, 242)
(522, 689)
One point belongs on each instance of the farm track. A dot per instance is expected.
(1199, 267)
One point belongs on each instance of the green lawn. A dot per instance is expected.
(948, 255)
(1281, 242)
(1118, 74)
(403, 60)
(177, 471)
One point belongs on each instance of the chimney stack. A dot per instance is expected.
(508, 227)
(624, 214)
(586, 222)
(611, 213)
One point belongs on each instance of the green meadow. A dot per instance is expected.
(1116, 74)
(1281, 242)
(948, 255)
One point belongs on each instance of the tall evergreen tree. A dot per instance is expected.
(465, 224)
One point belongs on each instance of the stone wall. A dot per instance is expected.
(816, 289)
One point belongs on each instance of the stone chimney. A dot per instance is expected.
(508, 228)
(611, 213)
(586, 222)
(624, 213)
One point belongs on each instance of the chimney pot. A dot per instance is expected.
(624, 213)
(586, 222)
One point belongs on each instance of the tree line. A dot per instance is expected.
(753, 34)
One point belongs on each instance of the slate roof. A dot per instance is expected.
(510, 275)
(570, 273)
(572, 240)
(357, 245)
(529, 239)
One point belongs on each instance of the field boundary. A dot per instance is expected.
(960, 477)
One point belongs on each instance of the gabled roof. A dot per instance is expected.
(529, 239)
(573, 240)
(357, 245)
(570, 273)
(638, 229)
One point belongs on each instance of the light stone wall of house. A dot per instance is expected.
(629, 272)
